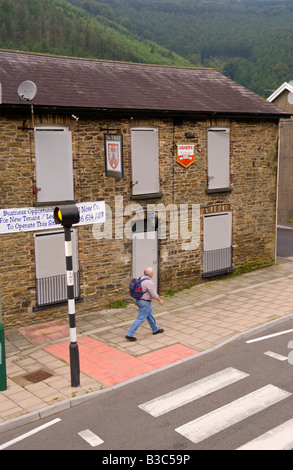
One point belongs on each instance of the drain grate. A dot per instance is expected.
(37, 376)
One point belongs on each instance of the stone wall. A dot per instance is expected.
(285, 180)
(105, 264)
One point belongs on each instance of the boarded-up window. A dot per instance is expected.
(54, 171)
(217, 242)
(145, 161)
(51, 283)
(218, 158)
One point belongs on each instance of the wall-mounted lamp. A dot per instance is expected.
(189, 135)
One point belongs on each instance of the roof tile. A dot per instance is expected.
(86, 83)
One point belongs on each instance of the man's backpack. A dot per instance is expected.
(135, 288)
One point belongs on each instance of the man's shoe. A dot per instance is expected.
(159, 331)
(130, 338)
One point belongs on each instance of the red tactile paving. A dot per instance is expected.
(111, 366)
(46, 332)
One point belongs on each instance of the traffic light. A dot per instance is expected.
(66, 215)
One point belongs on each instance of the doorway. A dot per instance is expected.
(145, 248)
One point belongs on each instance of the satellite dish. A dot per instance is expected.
(27, 90)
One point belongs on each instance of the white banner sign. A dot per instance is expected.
(34, 218)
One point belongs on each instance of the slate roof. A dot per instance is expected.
(105, 85)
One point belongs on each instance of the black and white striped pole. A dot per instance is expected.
(3, 378)
(67, 216)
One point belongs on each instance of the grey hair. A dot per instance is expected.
(148, 271)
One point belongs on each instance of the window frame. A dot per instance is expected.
(217, 243)
(58, 176)
(53, 276)
(218, 159)
(145, 173)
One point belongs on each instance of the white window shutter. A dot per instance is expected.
(50, 253)
(145, 161)
(217, 231)
(51, 284)
(54, 169)
(218, 158)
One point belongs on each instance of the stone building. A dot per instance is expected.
(283, 98)
(182, 161)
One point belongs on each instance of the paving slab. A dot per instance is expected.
(194, 321)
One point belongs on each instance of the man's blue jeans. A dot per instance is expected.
(145, 312)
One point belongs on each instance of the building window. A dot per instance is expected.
(54, 169)
(51, 285)
(218, 159)
(145, 161)
(217, 244)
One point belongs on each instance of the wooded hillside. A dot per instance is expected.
(251, 41)
(56, 27)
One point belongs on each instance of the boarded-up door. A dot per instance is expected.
(145, 254)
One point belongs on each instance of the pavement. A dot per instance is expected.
(195, 321)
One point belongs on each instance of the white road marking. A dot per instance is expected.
(276, 356)
(261, 338)
(90, 438)
(279, 438)
(214, 422)
(28, 434)
(193, 391)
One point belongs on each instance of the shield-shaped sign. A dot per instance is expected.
(185, 154)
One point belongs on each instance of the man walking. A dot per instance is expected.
(145, 311)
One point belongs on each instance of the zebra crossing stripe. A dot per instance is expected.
(279, 357)
(279, 438)
(218, 420)
(193, 391)
(90, 437)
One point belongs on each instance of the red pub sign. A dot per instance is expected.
(185, 154)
